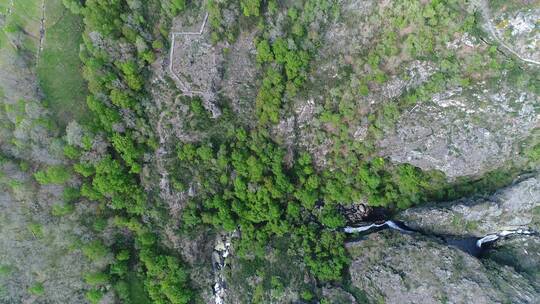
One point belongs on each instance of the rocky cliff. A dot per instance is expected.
(426, 267)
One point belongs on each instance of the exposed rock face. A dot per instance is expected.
(462, 132)
(516, 206)
(402, 268)
(338, 295)
(522, 253)
(356, 212)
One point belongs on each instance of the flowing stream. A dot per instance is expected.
(490, 238)
(387, 224)
(470, 244)
(222, 249)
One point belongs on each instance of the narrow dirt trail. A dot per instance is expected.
(486, 14)
(161, 152)
(10, 8)
(42, 32)
(174, 199)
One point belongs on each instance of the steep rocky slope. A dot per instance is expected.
(399, 268)
(425, 267)
(465, 131)
(515, 207)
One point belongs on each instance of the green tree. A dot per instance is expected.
(166, 279)
(96, 278)
(264, 52)
(95, 250)
(250, 7)
(94, 296)
(127, 149)
(177, 6)
(53, 175)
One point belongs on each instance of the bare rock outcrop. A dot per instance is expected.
(464, 131)
(403, 268)
(517, 206)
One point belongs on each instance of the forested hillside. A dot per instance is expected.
(177, 151)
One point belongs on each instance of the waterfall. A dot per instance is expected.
(493, 237)
(389, 224)
(471, 245)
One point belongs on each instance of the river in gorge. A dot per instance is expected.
(470, 244)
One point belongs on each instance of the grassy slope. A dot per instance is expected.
(25, 14)
(59, 69)
(136, 289)
(19, 37)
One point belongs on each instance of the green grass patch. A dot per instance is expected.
(59, 68)
(137, 292)
(62, 209)
(36, 289)
(23, 21)
(36, 230)
(5, 270)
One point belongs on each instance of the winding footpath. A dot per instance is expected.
(484, 9)
(167, 194)
(223, 243)
(184, 87)
(41, 33)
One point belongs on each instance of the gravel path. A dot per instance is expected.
(42, 32)
(184, 88)
(484, 9)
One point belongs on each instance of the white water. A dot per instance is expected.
(222, 250)
(493, 237)
(389, 224)
(393, 225)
